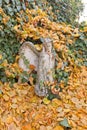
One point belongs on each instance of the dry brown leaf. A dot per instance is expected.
(32, 67)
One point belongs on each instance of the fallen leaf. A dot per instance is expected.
(58, 128)
(1, 93)
(9, 119)
(56, 102)
(46, 101)
(27, 127)
(6, 98)
(43, 127)
(49, 128)
(85, 29)
(59, 109)
(14, 106)
(75, 100)
(32, 67)
(0, 56)
(12, 126)
(38, 47)
(76, 35)
(11, 94)
(31, 80)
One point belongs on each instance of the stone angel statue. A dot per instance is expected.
(44, 62)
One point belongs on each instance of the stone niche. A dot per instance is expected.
(44, 62)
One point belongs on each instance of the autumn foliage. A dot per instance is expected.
(65, 107)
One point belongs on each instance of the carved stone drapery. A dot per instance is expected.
(44, 61)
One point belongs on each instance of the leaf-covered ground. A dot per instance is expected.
(21, 109)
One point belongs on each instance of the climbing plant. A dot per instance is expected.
(34, 24)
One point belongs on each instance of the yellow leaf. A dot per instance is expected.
(0, 57)
(49, 128)
(36, 37)
(1, 93)
(38, 47)
(14, 105)
(85, 29)
(42, 127)
(40, 12)
(12, 126)
(17, 58)
(34, 99)
(5, 20)
(38, 116)
(6, 98)
(9, 120)
(46, 101)
(76, 30)
(31, 35)
(31, 80)
(58, 128)
(1, 10)
(70, 41)
(16, 27)
(76, 35)
(24, 35)
(5, 63)
(27, 127)
(56, 46)
(56, 102)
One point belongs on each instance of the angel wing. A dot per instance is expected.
(28, 56)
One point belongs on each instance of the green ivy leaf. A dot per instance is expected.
(0, 3)
(85, 63)
(65, 123)
(52, 96)
(7, 1)
(19, 8)
(23, 6)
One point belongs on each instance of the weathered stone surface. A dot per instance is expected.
(28, 51)
(45, 67)
(44, 62)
